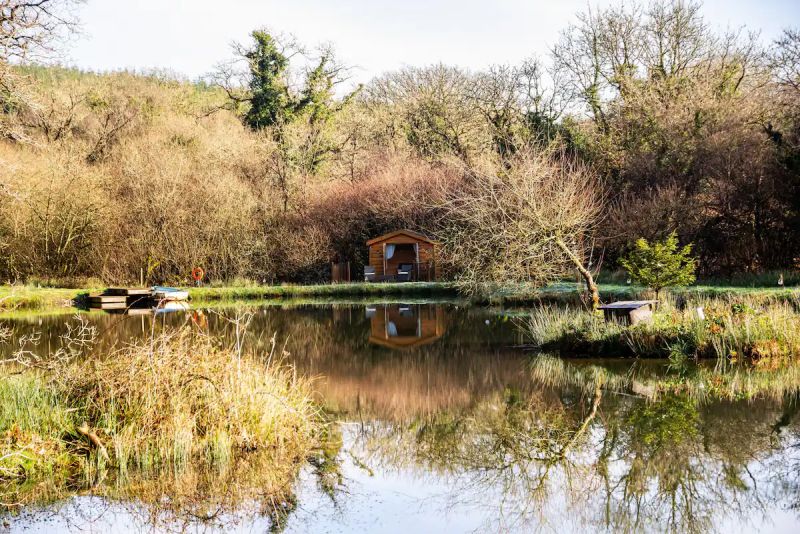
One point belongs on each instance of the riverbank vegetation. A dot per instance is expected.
(759, 332)
(179, 401)
(123, 176)
(28, 299)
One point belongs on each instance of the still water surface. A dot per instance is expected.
(444, 424)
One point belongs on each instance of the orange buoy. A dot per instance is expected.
(198, 273)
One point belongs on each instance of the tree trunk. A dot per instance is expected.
(587, 276)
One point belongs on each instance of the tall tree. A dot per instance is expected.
(270, 100)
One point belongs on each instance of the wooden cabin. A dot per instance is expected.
(401, 256)
(400, 326)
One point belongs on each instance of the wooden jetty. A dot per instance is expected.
(128, 291)
(127, 298)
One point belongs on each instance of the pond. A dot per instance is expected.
(442, 422)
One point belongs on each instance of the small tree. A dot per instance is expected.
(661, 264)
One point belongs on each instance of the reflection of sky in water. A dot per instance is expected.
(407, 499)
(463, 372)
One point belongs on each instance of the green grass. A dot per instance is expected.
(15, 300)
(758, 331)
(570, 292)
(766, 279)
(182, 401)
(413, 289)
(33, 423)
(31, 298)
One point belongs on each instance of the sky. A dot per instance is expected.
(189, 37)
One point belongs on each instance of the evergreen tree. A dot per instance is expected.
(270, 100)
(661, 264)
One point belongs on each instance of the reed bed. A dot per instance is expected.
(763, 332)
(737, 349)
(179, 401)
(183, 397)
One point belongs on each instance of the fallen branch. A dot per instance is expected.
(94, 440)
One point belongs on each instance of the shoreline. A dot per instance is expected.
(26, 300)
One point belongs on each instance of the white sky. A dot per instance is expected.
(188, 37)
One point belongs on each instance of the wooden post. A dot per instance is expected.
(416, 262)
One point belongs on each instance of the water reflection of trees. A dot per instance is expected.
(533, 441)
(619, 462)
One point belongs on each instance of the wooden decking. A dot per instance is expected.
(122, 298)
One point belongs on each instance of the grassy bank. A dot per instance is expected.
(52, 300)
(570, 293)
(180, 401)
(18, 298)
(32, 298)
(362, 290)
(757, 331)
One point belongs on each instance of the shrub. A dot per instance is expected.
(660, 264)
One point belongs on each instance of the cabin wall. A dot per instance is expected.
(401, 255)
(376, 258)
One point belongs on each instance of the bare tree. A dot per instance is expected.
(434, 108)
(526, 223)
(613, 52)
(786, 58)
(55, 119)
(32, 28)
(29, 29)
(517, 103)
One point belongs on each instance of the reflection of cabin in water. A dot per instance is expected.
(405, 325)
(403, 256)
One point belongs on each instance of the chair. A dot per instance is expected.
(404, 272)
(369, 274)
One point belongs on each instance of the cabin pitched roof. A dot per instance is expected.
(409, 233)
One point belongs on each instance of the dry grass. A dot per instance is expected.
(183, 397)
(764, 332)
(179, 401)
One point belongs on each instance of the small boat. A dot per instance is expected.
(169, 293)
(171, 306)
